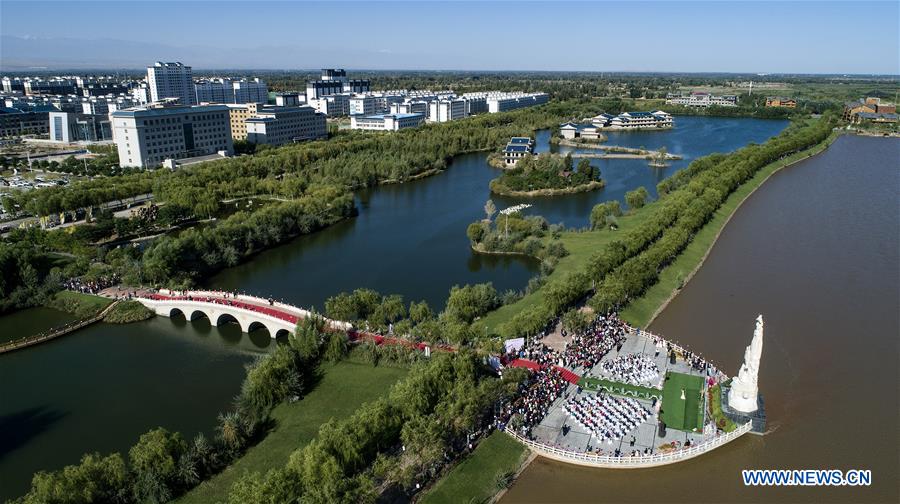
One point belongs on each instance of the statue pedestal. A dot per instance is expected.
(758, 417)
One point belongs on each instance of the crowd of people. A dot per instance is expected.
(636, 369)
(607, 418)
(91, 286)
(532, 405)
(585, 350)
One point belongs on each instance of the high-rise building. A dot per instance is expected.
(147, 136)
(171, 80)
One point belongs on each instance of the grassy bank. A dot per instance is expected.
(78, 304)
(126, 312)
(344, 387)
(641, 311)
(581, 245)
(478, 477)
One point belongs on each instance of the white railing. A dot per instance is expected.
(596, 460)
(300, 312)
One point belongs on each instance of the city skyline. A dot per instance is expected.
(689, 37)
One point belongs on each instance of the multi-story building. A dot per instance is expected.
(501, 102)
(67, 127)
(13, 84)
(363, 105)
(476, 105)
(778, 101)
(332, 105)
(289, 99)
(280, 125)
(410, 107)
(634, 120)
(146, 136)
(15, 122)
(238, 113)
(334, 81)
(516, 149)
(698, 99)
(141, 93)
(171, 80)
(50, 87)
(102, 89)
(446, 110)
(386, 122)
(231, 91)
(869, 106)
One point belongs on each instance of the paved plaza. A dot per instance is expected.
(577, 438)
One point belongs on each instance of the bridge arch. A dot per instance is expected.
(176, 312)
(281, 333)
(257, 325)
(200, 314)
(227, 318)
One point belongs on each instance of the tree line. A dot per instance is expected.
(627, 266)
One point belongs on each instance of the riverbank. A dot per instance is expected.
(641, 311)
(500, 189)
(297, 423)
(507, 320)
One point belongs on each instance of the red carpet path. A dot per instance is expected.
(534, 366)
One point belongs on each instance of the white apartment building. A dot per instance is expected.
(510, 101)
(220, 90)
(171, 80)
(701, 100)
(289, 99)
(386, 122)
(447, 110)
(410, 107)
(146, 136)
(280, 125)
(332, 105)
(363, 105)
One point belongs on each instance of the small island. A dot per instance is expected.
(547, 175)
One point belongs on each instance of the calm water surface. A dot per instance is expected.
(816, 250)
(100, 388)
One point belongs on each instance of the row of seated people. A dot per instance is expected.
(534, 402)
(607, 418)
(636, 369)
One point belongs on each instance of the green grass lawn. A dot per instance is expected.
(475, 478)
(683, 414)
(581, 246)
(343, 389)
(641, 311)
(78, 304)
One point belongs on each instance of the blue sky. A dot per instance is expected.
(774, 37)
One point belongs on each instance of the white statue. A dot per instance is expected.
(744, 388)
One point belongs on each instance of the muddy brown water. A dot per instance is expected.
(815, 250)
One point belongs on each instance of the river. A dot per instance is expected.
(100, 388)
(816, 250)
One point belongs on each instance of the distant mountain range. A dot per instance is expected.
(32, 53)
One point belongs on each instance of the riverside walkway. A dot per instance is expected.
(55, 332)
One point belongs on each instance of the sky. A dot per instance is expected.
(635, 36)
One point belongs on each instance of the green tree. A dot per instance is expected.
(154, 461)
(636, 198)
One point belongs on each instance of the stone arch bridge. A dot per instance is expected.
(249, 312)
